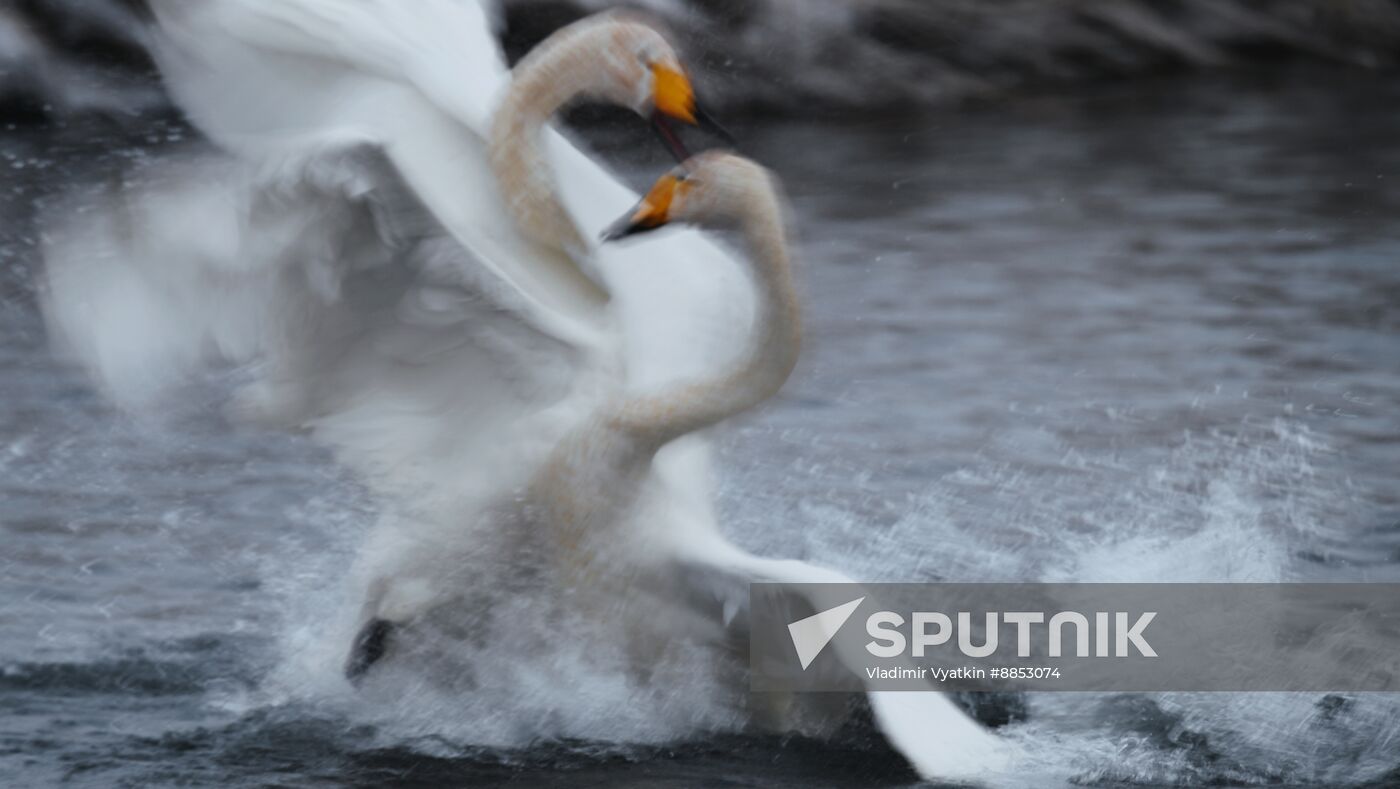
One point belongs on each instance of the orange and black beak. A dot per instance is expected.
(653, 213)
(675, 101)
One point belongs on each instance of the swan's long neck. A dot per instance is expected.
(553, 75)
(656, 420)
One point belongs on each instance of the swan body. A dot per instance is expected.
(592, 507)
(400, 287)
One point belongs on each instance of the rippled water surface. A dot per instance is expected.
(1148, 334)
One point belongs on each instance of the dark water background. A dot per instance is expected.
(1148, 333)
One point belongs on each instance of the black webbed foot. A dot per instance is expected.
(369, 646)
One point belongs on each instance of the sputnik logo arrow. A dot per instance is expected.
(811, 635)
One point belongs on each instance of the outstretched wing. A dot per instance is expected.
(349, 306)
(267, 79)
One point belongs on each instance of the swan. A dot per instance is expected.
(592, 504)
(357, 260)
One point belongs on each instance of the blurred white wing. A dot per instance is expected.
(269, 79)
(361, 316)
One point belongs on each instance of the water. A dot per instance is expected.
(1145, 334)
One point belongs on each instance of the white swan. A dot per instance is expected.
(592, 508)
(343, 267)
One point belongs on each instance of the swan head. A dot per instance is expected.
(715, 190)
(641, 70)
